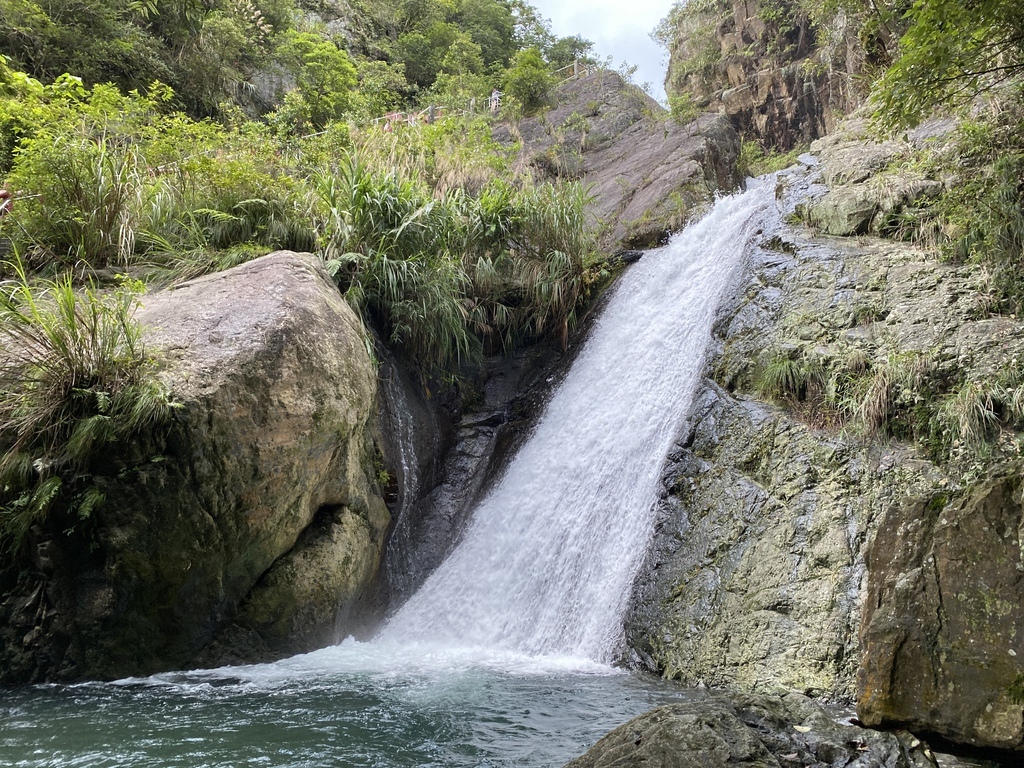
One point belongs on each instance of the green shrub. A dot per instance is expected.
(87, 200)
(74, 379)
(448, 273)
(528, 80)
(789, 377)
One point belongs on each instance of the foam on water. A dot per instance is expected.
(548, 559)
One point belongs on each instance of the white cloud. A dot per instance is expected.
(619, 28)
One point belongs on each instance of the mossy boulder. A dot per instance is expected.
(257, 505)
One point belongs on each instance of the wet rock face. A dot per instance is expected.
(253, 524)
(753, 731)
(649, 174)
(757, 557)
(792, 555)
(484, 434)
(943, 627)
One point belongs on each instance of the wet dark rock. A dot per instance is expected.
(510, 394)
(754, 731)
(629, 257)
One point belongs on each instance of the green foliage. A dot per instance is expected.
(447, 272)
(382, 87)
(205, 50)
(979, 218)
(1015, 690)
(325, 78)
(951, 52)
(74, 377)
(683, 108)
(898, 394)
(88, 200)
(754, 161)
(528, 80)
(786, 377)
(689, 31)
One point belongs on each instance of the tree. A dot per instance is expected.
(489, 23)
(565, 50)
(325, 77)
(422, 51)
(528, 79)
(952, 51)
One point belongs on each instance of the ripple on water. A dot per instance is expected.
(352, 705)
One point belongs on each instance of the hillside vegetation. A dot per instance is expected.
(151, 142)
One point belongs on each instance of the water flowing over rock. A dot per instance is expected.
(446, 458)
(254, 524)
(751, 731)
(546, 562)
(795, 556)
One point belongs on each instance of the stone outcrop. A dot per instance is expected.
(943, 623)
(869, 190)
(648, 174)
(798, 554)
(252, 525)
(752, 731)
(782, 79)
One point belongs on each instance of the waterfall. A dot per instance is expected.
(548, 560)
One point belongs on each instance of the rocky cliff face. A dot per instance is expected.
(254, 525)
(648, 174)
(798, 551)
(781, 77)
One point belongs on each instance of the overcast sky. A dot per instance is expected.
(619, 28)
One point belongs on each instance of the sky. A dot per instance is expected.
(619, 28)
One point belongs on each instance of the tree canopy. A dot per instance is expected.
(951, 51)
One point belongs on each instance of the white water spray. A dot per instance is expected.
(548, 559)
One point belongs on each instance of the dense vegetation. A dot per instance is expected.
(163, 139)
(254, 53)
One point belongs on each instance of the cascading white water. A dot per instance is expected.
(497, 660)
(547, 561)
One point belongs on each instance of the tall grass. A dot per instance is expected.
(87, 203)
(74, 378)
(448, 273)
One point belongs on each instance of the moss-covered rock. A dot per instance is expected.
(258, 505)
(793, 515)
(943, 627)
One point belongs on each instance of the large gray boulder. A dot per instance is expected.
(252, 525)
(942, 643)
(750, 731)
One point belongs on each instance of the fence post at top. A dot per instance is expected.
(576, 68)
